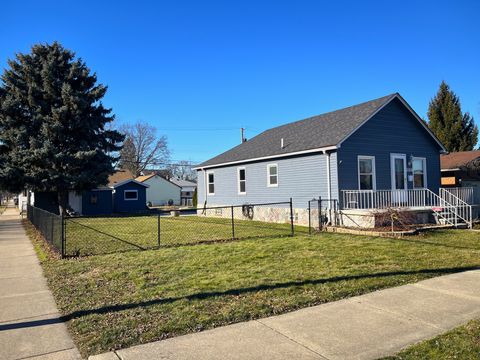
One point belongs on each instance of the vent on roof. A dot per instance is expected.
(281, 143)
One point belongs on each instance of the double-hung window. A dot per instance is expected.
(272, 175)
(242, 181)
(366, 173)
(419, 168)
(211, 183)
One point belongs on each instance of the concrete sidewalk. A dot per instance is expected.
(363, 327)
(29, 320)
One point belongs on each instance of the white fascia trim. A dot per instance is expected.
(127, 181)
(323, 149)
(402, 100)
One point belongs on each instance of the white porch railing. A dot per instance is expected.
(470, 195)
(466, 194)
(446, 205)
(463, 209)
(383, 199)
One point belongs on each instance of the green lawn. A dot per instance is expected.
(104, 235)
(119, 300)
(462, 343)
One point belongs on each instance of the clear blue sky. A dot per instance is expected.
(200, 70)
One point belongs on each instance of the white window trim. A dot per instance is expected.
(268, 175)
(374, 171)
(208, 183)
(238, 180)
(125, 197)
(425, 182)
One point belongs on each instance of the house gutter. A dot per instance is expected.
(329, 182)
(205, 186)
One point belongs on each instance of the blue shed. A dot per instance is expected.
(129, 196)
(97, 202)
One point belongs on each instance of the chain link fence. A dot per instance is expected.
(50, 225)
(321, 213)
(93, 235)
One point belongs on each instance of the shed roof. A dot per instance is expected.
(456, 160)
(308, 135)
(121, 183)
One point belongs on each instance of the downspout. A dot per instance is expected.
(206, 187)
(329, 182)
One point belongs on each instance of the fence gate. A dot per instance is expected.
(322, 212)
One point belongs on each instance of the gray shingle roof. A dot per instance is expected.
(319, 131)
(182, 183)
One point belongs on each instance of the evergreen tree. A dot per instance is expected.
(54, 132)
(455, 130)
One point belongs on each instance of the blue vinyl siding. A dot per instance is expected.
(103, 206)
(392, 130)
(120, 205)
(301, 178)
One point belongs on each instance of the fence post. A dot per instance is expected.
(51, 232)
(291, 218)
(63, 233)
(309, 219)
(233, 223)
(158, 229)
(320, 225)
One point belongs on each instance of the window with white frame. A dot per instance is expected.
(242, 181)
(130, 195)
(366, 173)
(272, 174)
(211, 183)
(419, 168)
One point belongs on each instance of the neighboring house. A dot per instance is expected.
(187, 191)
(129, 196)
(23, 200)
(461, 177)
(160, 191)
(374, 150)
(461, 169)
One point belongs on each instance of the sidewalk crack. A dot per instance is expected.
(293, 340)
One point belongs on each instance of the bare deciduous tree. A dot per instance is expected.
(142, 148)
(184, 170)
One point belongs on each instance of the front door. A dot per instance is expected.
(398, 166)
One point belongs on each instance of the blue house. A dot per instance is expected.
(374, 155)
(129, 196)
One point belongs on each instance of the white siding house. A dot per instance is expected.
(187, 190)
(160, 191)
